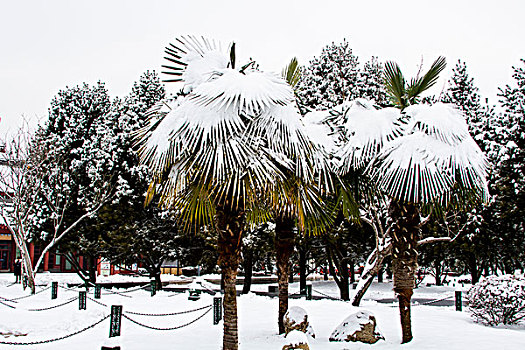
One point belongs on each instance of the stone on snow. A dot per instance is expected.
(358, 327)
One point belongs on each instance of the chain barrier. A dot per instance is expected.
(168, 314)
(112, 292)
(427, 302)
(9, 300)
(59, 338)
(170, 328)
(130, 291)
(434, 301)
(76, 289)
(55, 306)
(328, 296)
(31, 295)
(96, 301)
(5, 304)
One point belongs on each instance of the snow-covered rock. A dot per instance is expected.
(296, 318)
(360, 326)
(296, 340)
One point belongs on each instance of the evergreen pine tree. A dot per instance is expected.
(330, 78)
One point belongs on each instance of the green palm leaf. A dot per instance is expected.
(292, 73)
(395, 84)
(420, 84)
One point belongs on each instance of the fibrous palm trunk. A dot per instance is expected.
(284, 243)
(405, 235)
(230, 225)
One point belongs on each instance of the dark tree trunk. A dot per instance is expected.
(302, 270)
(405, 235)
(284, 242)
(439, 272)
(341, 277)
(361, 292)
(370, 274)
(351, 264)
(230, 225)
(344, 288)
(380, 275)
(248, 271)
(92, 269)
(473, 268)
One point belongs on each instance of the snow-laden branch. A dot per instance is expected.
(69, 229)
(434, 239)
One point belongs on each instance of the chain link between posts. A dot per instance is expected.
(169, 328)
(30, 295)
(58, 338)
(55, 306)
(168, 314)
(328, 296)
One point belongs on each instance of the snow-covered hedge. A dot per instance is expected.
(498, 299)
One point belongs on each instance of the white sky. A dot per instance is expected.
(48, 45)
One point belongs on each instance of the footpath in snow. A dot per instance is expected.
(190, 323)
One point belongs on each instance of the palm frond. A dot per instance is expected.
(419, 85)
(367, 131)
(247, 94)
(407, 172)
(395, 84)
(193, 60)
(435, 155)
(292, 73)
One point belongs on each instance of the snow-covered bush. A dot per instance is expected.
(498, 299)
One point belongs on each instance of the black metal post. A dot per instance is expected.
(115, 321)
(54, 290)
(82, 300)
(308, 292)
(153, 287)
(217, 310)
(459, 303)
(97, 291)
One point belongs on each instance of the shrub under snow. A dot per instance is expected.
(498, 299)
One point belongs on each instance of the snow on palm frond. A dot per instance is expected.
(153, 140)
(249, 93)
(193, 60)
(406, 171)
(442, 121)
(325, 141)
(367, 130)
(231, 134)
(319, 132)
(434, 154)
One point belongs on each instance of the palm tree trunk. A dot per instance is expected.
(405, 235)
(230, 225)
(284, 243)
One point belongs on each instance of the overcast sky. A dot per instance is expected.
(48, 45)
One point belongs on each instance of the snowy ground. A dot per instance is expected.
(433, 327)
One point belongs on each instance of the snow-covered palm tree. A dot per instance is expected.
(297, 202)
(220, 149)
(417, 155)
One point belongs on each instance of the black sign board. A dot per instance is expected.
(217, 310)
(97, 291)
(54, 290)
(116, 320)
(81, 300)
